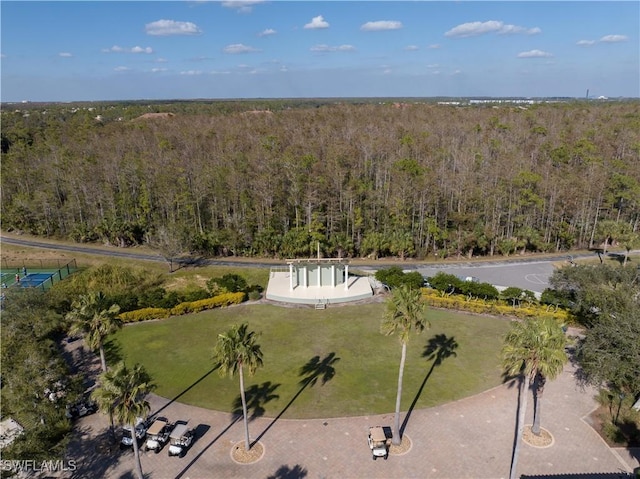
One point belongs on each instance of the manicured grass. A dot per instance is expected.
(177, 352)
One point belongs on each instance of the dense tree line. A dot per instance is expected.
(36, 383)
(605, 299)
(267, 179)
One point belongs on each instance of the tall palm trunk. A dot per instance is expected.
(112, 426)
(396, 423)
(520, 429)
(540, 381)
(247, 443)
(103, 359)
(136, 452)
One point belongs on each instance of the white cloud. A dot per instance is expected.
(158, 70)
(171, 27)
(65, 55)
(122, 69)
(411, 48)
(317, 22)
(141, 50)
(585, 43)
(191, 72)
(327, 48)
(434, 46)
(473, 29)
(236, 48)
(242, 6)
(161, 60)
(381, 25)
(534, 54)
(614, 38)
(119, 49)
(512, 29)
(267, 32)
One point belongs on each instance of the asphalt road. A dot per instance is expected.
(532, 274)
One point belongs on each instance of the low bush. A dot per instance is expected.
(395, 277)
(479, 306)
(144, 314)
(224, 299)
(187, 307)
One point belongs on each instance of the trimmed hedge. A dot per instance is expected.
(478, 306)
(188, 307)
(224, 299)
(144, 314)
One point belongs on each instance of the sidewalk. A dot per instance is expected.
(469, 438)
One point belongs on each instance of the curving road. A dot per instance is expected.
(531, 273)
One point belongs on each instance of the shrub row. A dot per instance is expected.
(188, 307)
(479, 306)
(144, 314)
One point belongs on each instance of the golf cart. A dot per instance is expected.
(158, 434)
(141, 432)
(82, 408)
(379, 441)
(180, 439)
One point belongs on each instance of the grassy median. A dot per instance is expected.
(356, 367)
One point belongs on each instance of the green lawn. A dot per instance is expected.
(177, 352)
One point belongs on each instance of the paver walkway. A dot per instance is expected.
(469, 438)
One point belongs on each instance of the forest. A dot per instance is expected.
(275, 178)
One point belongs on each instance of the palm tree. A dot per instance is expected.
(235, 350)
(94, 320)
(405, 312)
(535, 350)
(121, 394)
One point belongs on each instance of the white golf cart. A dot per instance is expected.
(379, 441)
(141, 432)
(158, 434)
(180, 439)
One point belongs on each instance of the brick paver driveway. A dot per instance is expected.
(469, 438)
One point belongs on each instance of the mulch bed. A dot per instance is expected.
(545, 439)
(242, 456)
(402, 448)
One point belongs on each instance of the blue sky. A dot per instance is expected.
(119, 50)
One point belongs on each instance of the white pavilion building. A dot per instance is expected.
(318, 281)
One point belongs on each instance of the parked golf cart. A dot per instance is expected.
(379, 441)
(141, 432)
(180, 439)
(158, 434)
(82, 408)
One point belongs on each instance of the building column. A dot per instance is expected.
(319, 275)
(290, 276)
(346, 277)
(305, 282)
(333, 275)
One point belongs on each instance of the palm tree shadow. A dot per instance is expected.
(437, 349)
(257, 396)
(519, 382)
(286, 472)
(112, 351)
(186, 390)
(211, 443)
(314, 370)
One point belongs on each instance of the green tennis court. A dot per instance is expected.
(34, 276)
